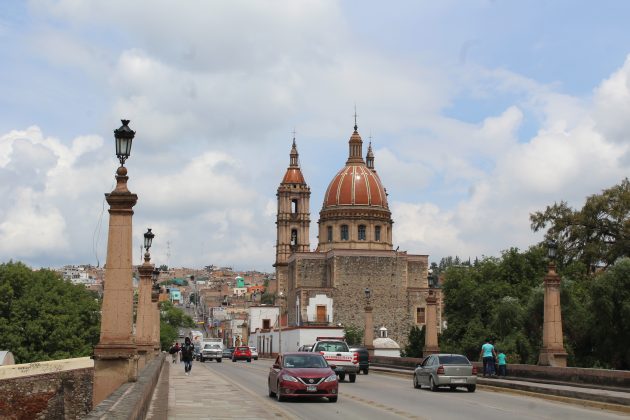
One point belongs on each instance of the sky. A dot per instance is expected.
(480, 113)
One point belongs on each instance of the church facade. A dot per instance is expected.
(354, 253)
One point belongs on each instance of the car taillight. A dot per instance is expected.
(440, 370)
(474, 370)
(321, 352)
(355, 357)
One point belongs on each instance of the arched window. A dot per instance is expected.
(344, 233)
(294, 206)
(362, 232)
(377, 233)
(329, 231)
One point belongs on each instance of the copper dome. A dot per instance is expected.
(357, 185)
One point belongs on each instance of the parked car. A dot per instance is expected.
(242, 353)
(227, 352)
(452, 370)
(364, 358)
(254, 351)
(211, 351)
(305, 347)
(302, 375)
(197, 351)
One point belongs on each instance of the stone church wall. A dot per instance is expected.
(386, 277)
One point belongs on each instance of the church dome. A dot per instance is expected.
(356, 184)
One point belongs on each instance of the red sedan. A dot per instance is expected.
(242, 353)
(302, 375)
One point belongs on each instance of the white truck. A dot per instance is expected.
(337, 354)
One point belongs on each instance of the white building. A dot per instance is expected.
(289, 339)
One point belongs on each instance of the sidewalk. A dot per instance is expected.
(209, 395)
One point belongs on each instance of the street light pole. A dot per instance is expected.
(115, 356)
(281, 297)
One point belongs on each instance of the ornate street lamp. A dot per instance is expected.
(552, 250)
(124, 137)
(368, 293)
(148, 239)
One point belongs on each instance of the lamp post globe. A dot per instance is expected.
(148, 239)
(124, 137)
(552, 249)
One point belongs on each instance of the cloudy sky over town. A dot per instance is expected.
(480, 112)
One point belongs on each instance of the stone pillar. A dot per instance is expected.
(115, 356)
(368, 335)
(430, 332)
(144, 315)
(552, 352)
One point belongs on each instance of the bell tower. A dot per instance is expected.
(293, 219)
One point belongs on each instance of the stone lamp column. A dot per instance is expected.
(552, 352)
(430, 333)
(115, 356)
(368, 335)
(145, 317)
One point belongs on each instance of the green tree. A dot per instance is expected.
(597, 234)
(353, 334)
(171, 320)
(611, 315)
(43, 317)
(415, 342)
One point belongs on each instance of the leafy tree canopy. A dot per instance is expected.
(597, 234)
(353, 334)
(43, 317)
(415, 342)
(171, 320)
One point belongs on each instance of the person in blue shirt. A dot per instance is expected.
(487, 355)
(502, 359)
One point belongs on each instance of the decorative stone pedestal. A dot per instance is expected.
(430, 333)
(552, 352)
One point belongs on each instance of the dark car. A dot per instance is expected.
(364, 358)
(242, 353)
(227, 352)
(302, 375)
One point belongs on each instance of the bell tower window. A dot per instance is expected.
(344, 233)
(329, 231)
(294, 237)
(362, 232)
(294, 206)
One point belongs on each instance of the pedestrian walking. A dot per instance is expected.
(487, 355)
(187, 355)
(502, 358)
(173, 352)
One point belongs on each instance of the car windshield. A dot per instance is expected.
(306, 361)
(243, 348)
(454, 359)
(332, 346)
(212, 346)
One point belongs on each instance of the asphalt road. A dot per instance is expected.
(381, 396)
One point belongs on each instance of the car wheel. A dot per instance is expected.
(434, 387)
(453, 388)
(471, 388)
(234, 360)
(332, 399)
(365, 371)
(203, 360)
(352, 377)
(416, 384)
(249, 360)
(279, 396)
(342, 376)
(219, 360)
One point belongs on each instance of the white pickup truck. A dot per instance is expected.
(337, 354)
